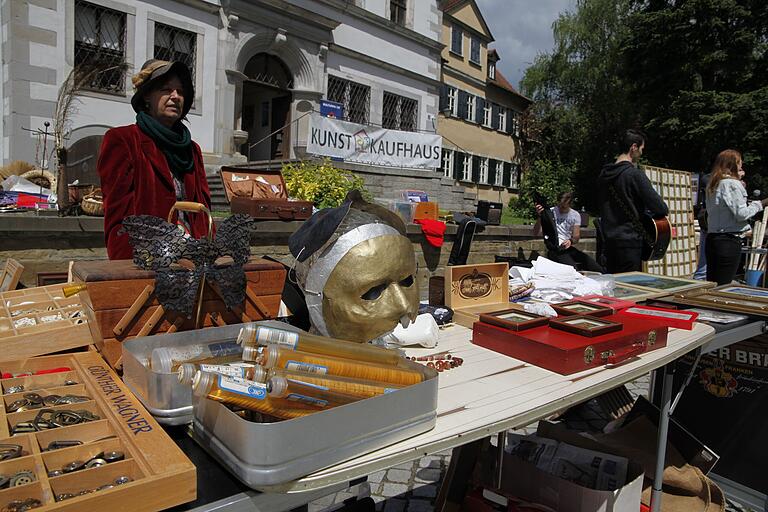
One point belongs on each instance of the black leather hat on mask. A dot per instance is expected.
(153, 73)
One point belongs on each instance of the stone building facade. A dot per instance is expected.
(480, 110)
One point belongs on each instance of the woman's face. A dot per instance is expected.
(740, 169)
(166, 102)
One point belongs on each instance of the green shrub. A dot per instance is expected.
(548, 178)
(321, 183)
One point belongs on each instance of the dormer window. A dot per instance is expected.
(492, 70)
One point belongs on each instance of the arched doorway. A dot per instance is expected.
(266, 108)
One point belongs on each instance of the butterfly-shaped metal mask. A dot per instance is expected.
(160, 246)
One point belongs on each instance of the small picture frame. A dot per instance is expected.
(742, 292)
(583, 325)
(514, 319)
(581, 307)
(678, 318)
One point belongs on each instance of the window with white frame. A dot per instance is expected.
(502, 119)
(492, 70)
(483, 170)
(399, 112)
(355, 97)
(397, 10)
(516, 123)
(453, 100)
(487, 114)
(100, 46)
(466, 172)
(471, 107)
(447, 163)
(457, 40)
(474, 50)
(175, 44)
(499, 173)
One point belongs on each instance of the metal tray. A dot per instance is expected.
(267, 454)
(168, 401)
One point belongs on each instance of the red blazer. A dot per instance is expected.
(136, 180)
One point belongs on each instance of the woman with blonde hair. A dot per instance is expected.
(728, 214)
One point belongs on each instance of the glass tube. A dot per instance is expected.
(186, 371)
(348, 386)
(252, 335)
(305, 393)
(168, 359)
(273, 356)
(246, 394)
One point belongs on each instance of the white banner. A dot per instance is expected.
(372, 145)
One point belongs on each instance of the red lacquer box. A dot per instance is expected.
(565, 353)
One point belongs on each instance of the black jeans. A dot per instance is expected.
(572, 256)
(621, 258)
(723, 252)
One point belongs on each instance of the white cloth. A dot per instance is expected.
(555, 282)
(565, 223)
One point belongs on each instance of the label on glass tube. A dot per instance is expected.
(266, 335)
(222, 369)
(243, 387)
(310, 400)
(301, 366)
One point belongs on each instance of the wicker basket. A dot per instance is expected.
(42, 178)
(93, 203)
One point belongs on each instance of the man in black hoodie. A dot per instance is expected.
(625, 194)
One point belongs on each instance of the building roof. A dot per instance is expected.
(448, 6)
(501, 82)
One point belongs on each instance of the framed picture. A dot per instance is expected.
(514, 319)
(580, 307)
(743, 292)
(589, 326)
(720, 302)
(673, 318)
(654, 283)
(634, 294)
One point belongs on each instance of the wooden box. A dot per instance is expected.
(474, 289)
(35, 321)
(118, 308)
(161, 475)
(262, 194)
(565, 353)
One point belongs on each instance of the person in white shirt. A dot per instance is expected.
(567, 222)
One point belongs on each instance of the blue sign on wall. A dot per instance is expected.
(331, 109)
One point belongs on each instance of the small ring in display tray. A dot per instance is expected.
(514, 319)
(585, 325)
(581, 307)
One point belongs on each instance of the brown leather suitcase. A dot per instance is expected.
(262, 194)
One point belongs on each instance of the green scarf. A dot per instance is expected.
(175, 143)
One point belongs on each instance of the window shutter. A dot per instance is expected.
(476, 169)
(458, 164)
(507, 181)
(516, 174)
(443, 98)
(495, 116)
(492, 171)
(462, 106)
(510, 121)
(479, 109)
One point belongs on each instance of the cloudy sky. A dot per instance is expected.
(522, 29)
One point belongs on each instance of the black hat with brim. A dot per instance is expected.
(164, 70)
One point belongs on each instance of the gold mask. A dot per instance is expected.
(371, 289)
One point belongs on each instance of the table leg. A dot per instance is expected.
(501, 442)
(661, 447)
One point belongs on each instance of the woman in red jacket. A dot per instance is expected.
(146, 167)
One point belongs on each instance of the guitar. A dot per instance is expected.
(657, 233)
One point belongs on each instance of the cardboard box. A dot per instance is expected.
(474, 289)
(522, 479)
